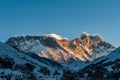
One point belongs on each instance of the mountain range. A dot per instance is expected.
(84, 48)
(51, 57)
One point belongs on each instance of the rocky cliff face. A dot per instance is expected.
(91, 46)
(84, 48)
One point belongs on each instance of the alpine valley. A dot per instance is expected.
(51, 57)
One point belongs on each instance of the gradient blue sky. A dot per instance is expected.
(68, 18)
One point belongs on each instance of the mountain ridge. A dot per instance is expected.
(84, 48)
(51, 57)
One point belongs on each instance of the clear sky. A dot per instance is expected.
(68, 18)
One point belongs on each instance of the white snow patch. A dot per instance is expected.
(56, 36)
(85, 33)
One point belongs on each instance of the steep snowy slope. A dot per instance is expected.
(84, 48)
(104, 68)
(17, 65)
(110, 57)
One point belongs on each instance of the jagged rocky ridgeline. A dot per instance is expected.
(84, 48)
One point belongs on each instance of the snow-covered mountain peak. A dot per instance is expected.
(56, 36)
(52, 46)
(85, 36)
(85, 33)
